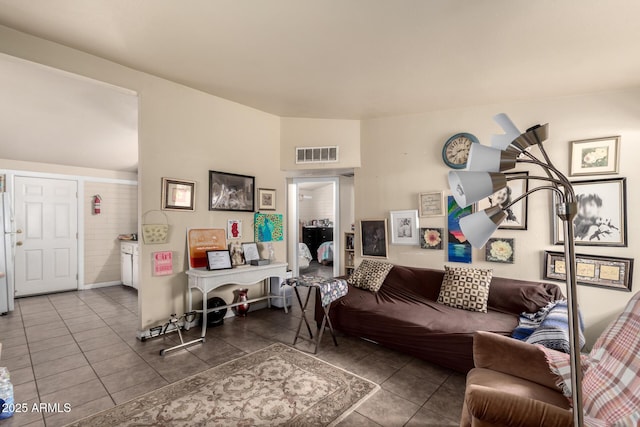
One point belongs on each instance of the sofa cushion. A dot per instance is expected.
(465, 288)
(370, 275)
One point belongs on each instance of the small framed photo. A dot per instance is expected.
(592, 270)
(250, 251)
(431, 204)
(373, 238)
(231, 192)
(234, 229)
(517, 214)
(266, 199)
(404, 228)
(219, 260)
(598, 156)
(431, 238)
(500, 250)
(602, 213)
(237, 254)
(178, 195)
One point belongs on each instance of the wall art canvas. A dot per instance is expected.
(404, 228)
(516, 214)
(458, 247)
(500, 250)
(373, 238)
(598, 156)
(431, 238)
(231, 192)
(602, 213)
(268, 227)
(234, 229)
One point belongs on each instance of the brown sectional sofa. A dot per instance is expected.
(404, 315)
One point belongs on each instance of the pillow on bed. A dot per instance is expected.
(465, 288)
(370, 275)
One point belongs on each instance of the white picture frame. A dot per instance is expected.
(234, 229)
(250, 252)
(405, 228)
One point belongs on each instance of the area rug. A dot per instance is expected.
(277, 385)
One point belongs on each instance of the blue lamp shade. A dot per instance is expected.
(511, 132)
(487, 159)
(480, 226)
(469, 187)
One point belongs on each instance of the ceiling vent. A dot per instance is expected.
(317, 154)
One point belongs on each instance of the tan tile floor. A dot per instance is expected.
(81, 348)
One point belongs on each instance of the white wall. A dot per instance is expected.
(319, 206)
(392, 175)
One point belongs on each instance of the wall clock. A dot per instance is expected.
(455, 152)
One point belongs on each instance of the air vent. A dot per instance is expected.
(317, 154)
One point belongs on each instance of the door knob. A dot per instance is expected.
(19, 243)
(19, 231)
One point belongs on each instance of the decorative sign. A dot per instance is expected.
(201, 240)
(162, 263)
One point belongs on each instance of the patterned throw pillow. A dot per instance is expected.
(370, 275)
(466, 288)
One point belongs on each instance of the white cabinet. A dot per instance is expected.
(129, 264)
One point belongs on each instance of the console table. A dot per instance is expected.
(206, 281)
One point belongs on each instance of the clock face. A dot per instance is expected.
(456, 150)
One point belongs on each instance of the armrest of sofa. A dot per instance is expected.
(495, 407)
(513, 357)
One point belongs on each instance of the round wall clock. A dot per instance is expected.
(455, 152)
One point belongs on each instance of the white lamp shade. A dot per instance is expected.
(511, 132)
(469, 187)
(488, 159)
(480, 226)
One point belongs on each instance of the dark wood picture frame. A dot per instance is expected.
(231, 192)
(374, 239)
(178, 195)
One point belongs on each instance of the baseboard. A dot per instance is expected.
(88, 286)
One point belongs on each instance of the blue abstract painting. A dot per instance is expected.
(458, 248)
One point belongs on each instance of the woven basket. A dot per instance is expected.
(155, 233)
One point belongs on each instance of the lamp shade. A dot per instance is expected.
(511, 132)
(480, 226)
(487, 159)
(534, 135)
(469, 187)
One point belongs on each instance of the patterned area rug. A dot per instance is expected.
(277, 385)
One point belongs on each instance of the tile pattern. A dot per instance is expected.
(80, 348)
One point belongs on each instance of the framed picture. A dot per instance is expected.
(431, 204)
(404, 228)
(373, 238)
(237, 253)
(201, 240)
(178, 195)
(231, 192)
(268, 227)
(266, 199)
(234, 229)
(592, 270)
(250, 251)
(602, 213)
(219, 260)
(598, 156)
(431, 238)
(500, 250)
(516, 214)
(458, 247)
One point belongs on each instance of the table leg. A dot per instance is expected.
(283, 296)
(187, 325)
(204, 316)
(303, 307)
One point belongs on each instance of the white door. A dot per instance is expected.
(47, 250)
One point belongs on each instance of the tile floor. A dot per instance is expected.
(80, 348)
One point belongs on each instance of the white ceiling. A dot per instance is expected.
(356, 58)
(51, 116)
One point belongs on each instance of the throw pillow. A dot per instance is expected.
(466, 288)
(370, 275)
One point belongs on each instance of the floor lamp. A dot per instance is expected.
(484, 176)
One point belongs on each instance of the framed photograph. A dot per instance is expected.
(431, 238)
(250, 251)
(234, 229)
(219, 260)
(431, 204)
(516, 214)
(500, 250)
(373, 238)
(404, 228)
(602, 213)
(178, 195)
(231, 192)
(592, 270)
(598, 156)
(458, 247)
(266, 199)
(237, 254)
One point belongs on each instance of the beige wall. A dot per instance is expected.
(182, 134)
(300, 132)
(392, 175)
(119, 215)
(66, 170)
